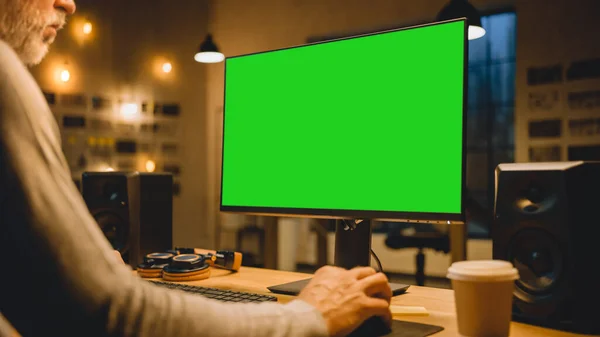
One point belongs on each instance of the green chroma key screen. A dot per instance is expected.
(371, 123)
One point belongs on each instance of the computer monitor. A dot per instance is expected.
(365, 127)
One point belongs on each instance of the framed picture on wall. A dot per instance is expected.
(544, 153)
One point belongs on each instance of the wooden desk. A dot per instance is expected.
(439, 302)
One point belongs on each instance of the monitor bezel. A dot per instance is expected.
(427, 217)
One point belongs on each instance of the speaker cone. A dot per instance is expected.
(114, 228)
(537, 256)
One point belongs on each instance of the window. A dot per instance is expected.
(490, 118)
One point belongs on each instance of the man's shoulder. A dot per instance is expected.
(12, 70)
(8, 56)
(17, 86)
(14, 76)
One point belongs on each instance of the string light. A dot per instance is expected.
(167, 67)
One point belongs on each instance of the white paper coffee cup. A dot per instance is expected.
(483, 292)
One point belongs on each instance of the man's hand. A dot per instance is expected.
(347, 298)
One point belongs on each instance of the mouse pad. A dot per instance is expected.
(399, 329)
(410, 329)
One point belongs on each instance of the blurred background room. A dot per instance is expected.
(131, 91)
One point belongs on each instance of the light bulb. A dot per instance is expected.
(109, 169)
(150, 166)
(167, 67)
(209, 57)
(87, 28)
(65, 75)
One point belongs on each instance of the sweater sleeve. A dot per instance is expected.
(59, 274)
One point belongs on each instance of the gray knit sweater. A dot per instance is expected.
(59, 276)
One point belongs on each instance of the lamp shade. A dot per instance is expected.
(208, 52)
(463, 9)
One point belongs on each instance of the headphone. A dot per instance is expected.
(187, 264)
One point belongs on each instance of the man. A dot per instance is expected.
(59, 273)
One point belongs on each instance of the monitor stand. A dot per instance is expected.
(352, 249)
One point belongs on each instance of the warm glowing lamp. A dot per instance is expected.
(150, 166)
(167, 67)
(65, 75)
(87, 28)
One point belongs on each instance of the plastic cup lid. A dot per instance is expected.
(483, 271)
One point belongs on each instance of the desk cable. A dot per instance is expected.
(352, 226)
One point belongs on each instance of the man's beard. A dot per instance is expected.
(22, 27)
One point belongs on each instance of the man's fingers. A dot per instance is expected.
(377, 307)
(328, 270)
(362, 272)
(376, 285)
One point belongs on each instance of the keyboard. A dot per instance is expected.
(218, 294)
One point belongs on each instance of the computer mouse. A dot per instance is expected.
(372, 327)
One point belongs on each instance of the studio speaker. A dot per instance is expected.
(546, 223)
(113, 199)
(134, 210)
(156, 213)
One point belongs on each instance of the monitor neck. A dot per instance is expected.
(352, 243)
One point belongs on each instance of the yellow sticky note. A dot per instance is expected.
(408, 311)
